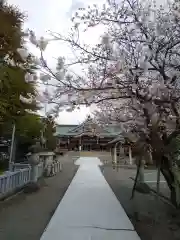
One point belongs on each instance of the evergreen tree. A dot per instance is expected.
(17, 71)
(49, 130)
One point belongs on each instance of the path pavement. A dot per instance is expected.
(89, 210)
(143, 209)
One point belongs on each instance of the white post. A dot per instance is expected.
(115, 153)
(12, 147)
(130, 155)
(80, 144)
(150, 157)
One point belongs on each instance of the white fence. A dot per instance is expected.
(14, 180)
(18, 166)
(54, 168)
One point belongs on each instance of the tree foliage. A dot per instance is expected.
(17, 93)
(49, 130)
(29, 127)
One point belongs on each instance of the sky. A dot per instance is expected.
(54, 15)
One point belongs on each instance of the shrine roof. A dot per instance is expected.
(87, 126)
(64, 129)
(123, 136)
(70, 130)
(117, 139)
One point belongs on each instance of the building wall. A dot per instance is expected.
(87, 143)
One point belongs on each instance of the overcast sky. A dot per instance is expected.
(54, 15)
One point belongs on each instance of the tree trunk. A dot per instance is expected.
(141, 174)
(169, 177)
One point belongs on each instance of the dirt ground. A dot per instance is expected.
(144, 209)
(25, 216)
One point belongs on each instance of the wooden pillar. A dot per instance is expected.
(112, 156)
(119, 152)
(68, 145)
(115, 156)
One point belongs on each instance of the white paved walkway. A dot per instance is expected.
(89, 209)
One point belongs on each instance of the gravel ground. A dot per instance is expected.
(144, 209)
(25, 216)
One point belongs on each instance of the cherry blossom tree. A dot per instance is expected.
(133, 72)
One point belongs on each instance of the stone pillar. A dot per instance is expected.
(34, 161)
(34, 173)
(130, 156)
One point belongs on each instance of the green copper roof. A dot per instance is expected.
(86, 126)
(67, 130)
(62, 130)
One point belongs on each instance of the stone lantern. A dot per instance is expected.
(33, 159)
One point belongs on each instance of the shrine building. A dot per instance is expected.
(88, 136)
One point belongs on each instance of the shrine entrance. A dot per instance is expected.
(89, 143)
(87, 147)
